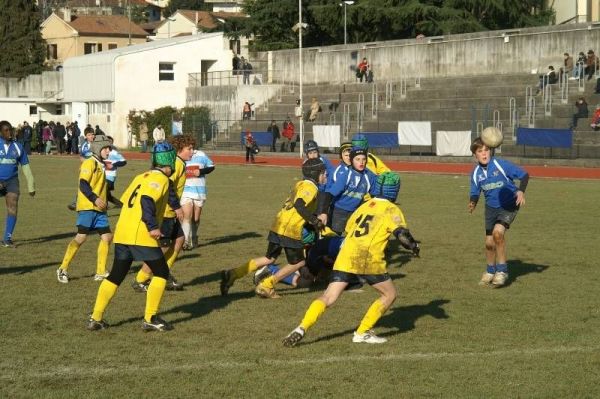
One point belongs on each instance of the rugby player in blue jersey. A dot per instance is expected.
(503, 198)
(11, 155)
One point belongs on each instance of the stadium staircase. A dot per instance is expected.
(458, 103)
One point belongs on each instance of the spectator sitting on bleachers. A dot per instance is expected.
(596, 119)
(582, 111)
(567, 65)
(298, 109)
(361, 69)
(549, 78)
(591, 64)
(315, 109)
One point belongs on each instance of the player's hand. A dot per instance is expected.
(520, 198)
(179, 214)
(471, 206)
(100, 203)
(32, 193)
(323, 218)
(155, 234)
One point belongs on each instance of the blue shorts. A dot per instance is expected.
(9, 186)
(90, 221)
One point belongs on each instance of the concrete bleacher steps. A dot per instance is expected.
(449, 103)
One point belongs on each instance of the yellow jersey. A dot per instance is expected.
(367, 234)
(92, 171)
(178, 179)
(131, 230)
(289, 222)
(376, 165)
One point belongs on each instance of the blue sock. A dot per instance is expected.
(503, 267)
(289, 279)
(11, 222)
(491, 269)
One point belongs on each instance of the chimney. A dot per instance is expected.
(66, 14)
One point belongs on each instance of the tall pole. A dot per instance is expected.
(300, 80)
(345, 35)
(129, 17)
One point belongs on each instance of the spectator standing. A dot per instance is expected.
(287, 133)
(315, 108)
(27, 134)
(158, 134)
(60, 134)
(247, 70)
(40, 139)
(247, 111)
(69, 129)
(235, 64)
(75, 138)
(591, 64)
(274, 130)
(47, 138)
(582, 111)
(98, 131)
(361, 70)
(144, 136)
(249, 143)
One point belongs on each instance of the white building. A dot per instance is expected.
(105, 87)
(575, 11)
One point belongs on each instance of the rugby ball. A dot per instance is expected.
(492, 137)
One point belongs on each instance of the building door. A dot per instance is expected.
(206, 78)
(79, 113)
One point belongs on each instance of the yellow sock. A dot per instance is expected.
(171, 258)
(153, 296)
(102, 255)
(72, 249)
(105, 293)
(269, 282)
(315, 310)
(141, 277)
(244, 269)
(376, 310)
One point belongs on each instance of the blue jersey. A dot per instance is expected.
(116, 160)
(350, 187)
(11, 155)
(329, 168)
(496, 182)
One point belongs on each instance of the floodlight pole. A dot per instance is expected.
(300, 78)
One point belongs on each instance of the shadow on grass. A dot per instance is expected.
(231, 238)
(26, 269)
(517, 268)
(43, 239)
(207, 278)
(401, 319)
(205, 305)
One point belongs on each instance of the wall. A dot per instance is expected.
(453, 55)
(46, 85)
(136, 78)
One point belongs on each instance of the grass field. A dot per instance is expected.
(539, 337)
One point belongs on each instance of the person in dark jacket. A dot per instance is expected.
(582, 111)
(274, 130)
(27, 135)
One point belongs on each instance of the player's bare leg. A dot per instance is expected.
(186, 224)
(364, 332)
(314, 311)
(266, 288)
(229, 276)
(196, 225)
(501, 275)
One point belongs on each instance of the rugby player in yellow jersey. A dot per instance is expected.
(363, 254)
(173, 237)
(91, 209)
(374, 164)
(137, 237)
(286, 232)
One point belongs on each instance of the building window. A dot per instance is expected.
(90, 48)
(52, 51)
(166, 71)
(32, 110)
(112, 46)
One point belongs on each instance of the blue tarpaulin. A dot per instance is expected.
(562, 138)
(261, 138)
(382, 139)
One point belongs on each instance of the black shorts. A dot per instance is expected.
(170, 230)
(501, 216)
(137, 252)
(294, 249)
(339, 218)
(345, 277)
(9, 186)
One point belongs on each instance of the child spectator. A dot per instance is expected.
(250, 144)
(361, 70)
(247, 111)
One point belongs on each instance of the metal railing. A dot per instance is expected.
(512, 112)
(547, 100)
(564, 88)
(403, 88)
(389, 93)
(360, 111)
(346, 122)
(531, 112)
(374, 101)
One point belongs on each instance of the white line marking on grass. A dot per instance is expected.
(8, 372)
